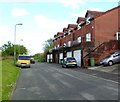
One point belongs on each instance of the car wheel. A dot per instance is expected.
(110, 63)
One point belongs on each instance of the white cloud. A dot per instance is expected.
(66, 3)
(16, 12)
(5, 34)
(83, 12)
(72, 3)
(48, 25)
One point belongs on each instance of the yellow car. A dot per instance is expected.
(23, 61)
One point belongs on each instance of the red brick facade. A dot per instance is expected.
(95, 29)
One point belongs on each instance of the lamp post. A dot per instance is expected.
(15, 42)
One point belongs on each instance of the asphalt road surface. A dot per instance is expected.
(44, 81)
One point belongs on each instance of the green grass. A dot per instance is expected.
(9, 77)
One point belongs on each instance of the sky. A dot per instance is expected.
(42, 19)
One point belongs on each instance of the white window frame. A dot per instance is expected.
(69, 32)
(87, 20)
(117, 35)
(64, 44)
(79, 39)
(88, 37)
(58, 45)
(69, 43)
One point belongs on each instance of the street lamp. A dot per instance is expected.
(15, 42)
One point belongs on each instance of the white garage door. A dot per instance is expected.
(60, 57)
(77, 56)
(69, 54)
(51, 56)
(48, 58)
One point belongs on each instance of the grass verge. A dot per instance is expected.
(9, 77)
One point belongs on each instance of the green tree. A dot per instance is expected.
(8, 49)
(48, 45)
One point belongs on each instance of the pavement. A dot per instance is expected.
(114, 69)
(111, 73)
(48, 81)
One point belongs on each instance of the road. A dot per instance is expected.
(44, 81)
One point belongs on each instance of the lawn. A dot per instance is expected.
(9, 77)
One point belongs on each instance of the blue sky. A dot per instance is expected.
(42, 19)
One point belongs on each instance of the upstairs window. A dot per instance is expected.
(69, 43)
(79, 39)
(58, 46)
(69, 32)
(87, 20)
(64, 35)
(118, 35)
(64, 44)
(79, 27)
(88, 37)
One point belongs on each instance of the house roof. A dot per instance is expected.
(94, 14)
(59, 34)
(80, 19)
(72, 26)
(65, 30)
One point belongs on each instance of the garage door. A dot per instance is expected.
(77, 56)
(51, 56)
(48, 58)
(60, 57)
(69, 54)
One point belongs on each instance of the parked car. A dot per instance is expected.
(112, 59)
(69, 62)
(32, 61)
(23, 61)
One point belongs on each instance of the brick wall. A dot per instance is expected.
(106, 26)
(102, 51)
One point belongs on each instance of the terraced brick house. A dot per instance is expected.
(94, 36)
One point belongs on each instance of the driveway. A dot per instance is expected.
(45, 81)
(114, 69)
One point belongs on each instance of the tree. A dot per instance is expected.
(8, 49)
(48, 45)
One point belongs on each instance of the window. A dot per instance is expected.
(79, 27)
(69, 43)
(68, 32)
(64, 44)
(24, 57)
(87, 20)
(88, 37)
(64, 35)
(79, 39)
(118, 35)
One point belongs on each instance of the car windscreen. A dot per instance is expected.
(69, 59)
(23, 58)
